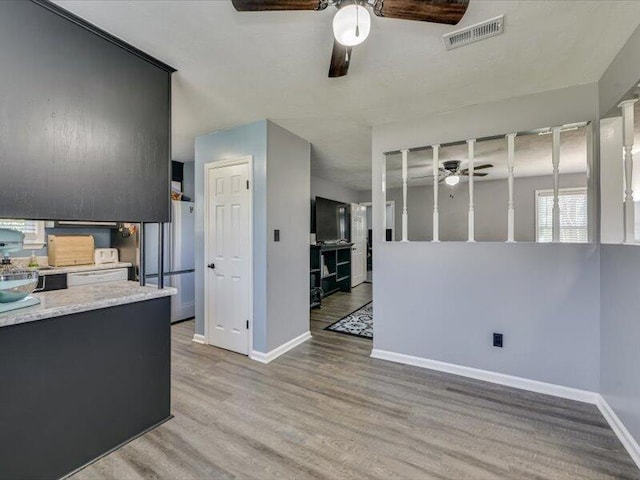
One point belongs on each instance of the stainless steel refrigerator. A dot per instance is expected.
(179, 264)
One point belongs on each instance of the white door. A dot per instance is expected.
(227, 278)
(359, 240)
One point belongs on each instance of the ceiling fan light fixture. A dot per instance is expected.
(351, 25)
(452, 180)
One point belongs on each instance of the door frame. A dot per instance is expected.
(391, 203)
(364, 253)
(208, 167)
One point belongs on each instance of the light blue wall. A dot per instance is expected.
(620, 333)
(443, 302)
(222, 145)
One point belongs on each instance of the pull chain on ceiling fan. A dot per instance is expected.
(352, 22)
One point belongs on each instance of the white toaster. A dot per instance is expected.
(105, 255)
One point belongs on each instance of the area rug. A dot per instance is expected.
(358, 323)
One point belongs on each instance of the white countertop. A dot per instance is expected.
(82, 299)
(83, 268)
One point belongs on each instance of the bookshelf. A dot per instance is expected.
(336, 277)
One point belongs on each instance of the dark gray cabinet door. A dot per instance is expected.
(84, 123)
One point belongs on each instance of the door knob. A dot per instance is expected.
(212, 266)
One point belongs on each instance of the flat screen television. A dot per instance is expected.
(332, 220)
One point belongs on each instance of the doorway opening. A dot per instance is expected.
(341, 265)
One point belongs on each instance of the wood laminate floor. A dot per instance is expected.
(326, 410)
(337, 306)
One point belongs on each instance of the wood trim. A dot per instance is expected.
(493, 377)
(281, 350)
(197, 338)
(66, 14)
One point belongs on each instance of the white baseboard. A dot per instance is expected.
(493, 377)
(625, 437)
(282, 349)
(627, 440)
(199, 339)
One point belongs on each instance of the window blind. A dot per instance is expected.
(34, 234)
(28, 227)
(573, 215)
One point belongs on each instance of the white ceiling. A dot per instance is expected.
(234, 68)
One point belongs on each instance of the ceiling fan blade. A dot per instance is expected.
(479, 167)
(262, 5)
(422, 176)
(436, 11)
(475, 174)
(340, 59)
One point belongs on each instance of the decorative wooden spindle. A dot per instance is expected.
(555, 159)
(436, 179)
(405, 216)
(627, 140)
(471, 144)
(510, 207)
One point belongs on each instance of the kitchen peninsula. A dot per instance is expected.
(83, 372)
(85, 136)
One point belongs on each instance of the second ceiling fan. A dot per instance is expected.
(450, 172)
(352, 22)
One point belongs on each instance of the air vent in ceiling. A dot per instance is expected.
(474, 33)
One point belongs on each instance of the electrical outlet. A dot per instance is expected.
(497, 340)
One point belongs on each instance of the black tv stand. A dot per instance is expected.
(337, 275)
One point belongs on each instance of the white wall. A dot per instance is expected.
(533, 290)
(288, 179)
(333, 191)
(620, 264)
(490, 198)
(621, 76)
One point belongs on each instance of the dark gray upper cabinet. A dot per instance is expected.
(85, 122)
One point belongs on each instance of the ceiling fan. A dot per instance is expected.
(450, 172)
(352, 22)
